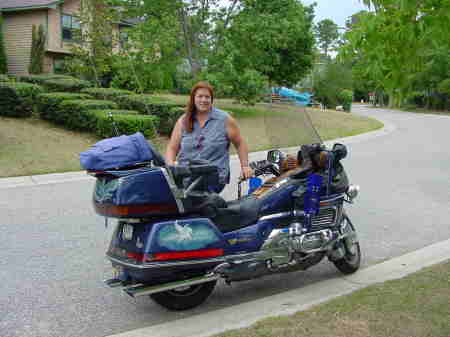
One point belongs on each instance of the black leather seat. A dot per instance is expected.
(237, 214)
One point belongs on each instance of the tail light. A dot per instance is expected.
(184, 255)
(133, 210)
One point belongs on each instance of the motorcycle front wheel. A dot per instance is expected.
(185, 297)
(351, 261)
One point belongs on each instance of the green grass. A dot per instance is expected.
(33, 146)
(415, 306)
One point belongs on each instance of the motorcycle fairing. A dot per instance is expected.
(184, 235)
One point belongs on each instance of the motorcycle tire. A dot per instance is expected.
(184, 298)
(351, 261)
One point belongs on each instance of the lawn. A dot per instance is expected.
(33, 146)
(414, 306)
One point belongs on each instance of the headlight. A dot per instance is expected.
(353, 191)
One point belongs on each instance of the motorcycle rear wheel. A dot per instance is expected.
(351, 261)
(184, 298)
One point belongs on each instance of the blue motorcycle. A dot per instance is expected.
(174, 239)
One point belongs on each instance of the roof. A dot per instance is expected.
(16, 5)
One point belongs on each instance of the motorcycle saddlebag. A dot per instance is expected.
(137, 193)
(117, 152)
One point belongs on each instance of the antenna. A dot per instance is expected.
(110, 116)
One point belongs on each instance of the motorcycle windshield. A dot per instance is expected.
(288, 121)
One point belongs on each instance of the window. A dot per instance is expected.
(71, 28)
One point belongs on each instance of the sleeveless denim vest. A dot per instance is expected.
(209, 143)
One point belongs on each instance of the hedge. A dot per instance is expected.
(74, 113)
(168, 122)
(48, 104)
(106, 93)
(66, 85)
(168, 111)
(4, 78)
(127, 123)
(17, 99)
(147, 104)
(41, 78)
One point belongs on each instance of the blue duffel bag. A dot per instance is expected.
(117, 152)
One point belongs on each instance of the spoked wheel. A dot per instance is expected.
(184, 298)
(352, 257)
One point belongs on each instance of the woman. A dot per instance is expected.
(205, 132)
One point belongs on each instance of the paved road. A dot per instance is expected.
(53, 245)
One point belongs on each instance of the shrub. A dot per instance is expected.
(127, 122)
(346, 98)
(106, 93)
(167, 122)
(48, 104)
(37, 50)
(444, 87)
(73, 113)
(66, 85)
(41, 78)
(4, 78)
(17, 99)
(329, 82)
(147, 104)
(3, 62)
(249, 86)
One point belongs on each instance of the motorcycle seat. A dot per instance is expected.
(238, 214)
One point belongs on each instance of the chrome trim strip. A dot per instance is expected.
(141, 290)
(341, 196)
(219, 259)
(275, 216)
(173, 187)
(152, 265)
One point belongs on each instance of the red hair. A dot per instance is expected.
(191, 109)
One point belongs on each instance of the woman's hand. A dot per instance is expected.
(246, 172)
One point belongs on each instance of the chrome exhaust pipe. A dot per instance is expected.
(141, 290)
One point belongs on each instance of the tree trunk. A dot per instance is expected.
(195, 66)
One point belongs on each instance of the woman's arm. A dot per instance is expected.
(174, 143)
(234, 134)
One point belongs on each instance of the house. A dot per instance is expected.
(59, 19)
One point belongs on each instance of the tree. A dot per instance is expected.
(272, 37)
(150, 59)
(331, 81)
(394, 43)
(37, 50)
(327, 35)
(192, 23)
(3, 61)
(92, 52)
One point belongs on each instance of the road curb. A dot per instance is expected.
(246, 314)
(57, 178)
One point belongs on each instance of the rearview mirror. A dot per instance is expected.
(275, 156)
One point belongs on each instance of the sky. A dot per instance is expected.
(336, 10)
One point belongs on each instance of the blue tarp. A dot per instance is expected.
(302, 99)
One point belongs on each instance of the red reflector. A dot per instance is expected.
(189, 254)
(134, 210)
(135, 256)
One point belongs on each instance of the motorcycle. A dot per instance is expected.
(174, 240)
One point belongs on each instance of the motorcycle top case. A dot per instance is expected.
(135, 193)
(117, 152)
